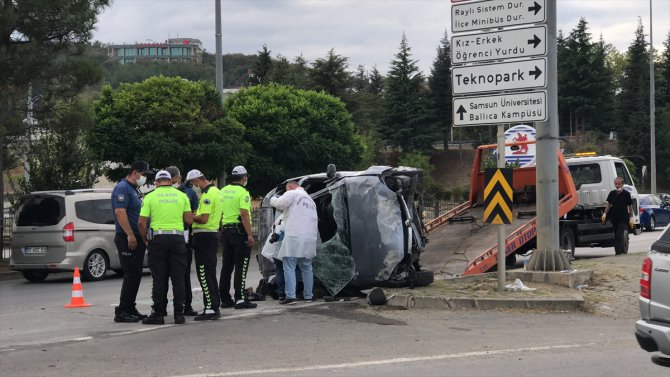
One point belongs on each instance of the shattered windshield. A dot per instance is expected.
(377, 232)
(334, 265)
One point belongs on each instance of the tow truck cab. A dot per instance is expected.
(594, 179)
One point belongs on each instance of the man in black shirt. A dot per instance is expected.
(619, 211)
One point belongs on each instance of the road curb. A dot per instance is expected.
(451, 303)
(10, 275)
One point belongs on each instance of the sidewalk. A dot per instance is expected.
(602, 286)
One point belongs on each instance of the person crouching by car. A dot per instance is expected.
(300, 238)
(169, 209)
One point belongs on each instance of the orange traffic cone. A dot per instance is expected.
(77, 300)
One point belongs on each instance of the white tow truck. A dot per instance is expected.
(593, 177)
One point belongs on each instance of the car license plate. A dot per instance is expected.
(34, 250)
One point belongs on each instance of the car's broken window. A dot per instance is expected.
(334, 265)
(376, 232)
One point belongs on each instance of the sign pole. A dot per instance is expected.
(501, 227)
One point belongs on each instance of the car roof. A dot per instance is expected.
(377, 170)
(72, 192)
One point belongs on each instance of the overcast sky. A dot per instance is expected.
(368, 32)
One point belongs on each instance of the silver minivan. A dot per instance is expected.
(55, 231)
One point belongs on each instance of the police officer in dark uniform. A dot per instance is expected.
(193, 200)
(237, 240)
(169, 209)
(126, 204)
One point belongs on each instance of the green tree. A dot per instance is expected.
(440, 89)
(293, 132)
(663, 117)
(406, 124)
(167, 121)
(586, 82)
(41, 64)
(330, 74)
(376, 82)
(262, 67)
(60, 158)
(633, 100)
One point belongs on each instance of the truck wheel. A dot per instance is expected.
(510, 260)
(652, 224)
(34, 276)
(95, 266)
(567, 240)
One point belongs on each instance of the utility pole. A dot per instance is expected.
(652, 107)
(219, 51)
(548, 256)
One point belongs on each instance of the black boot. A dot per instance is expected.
(188, 311)
(124, 317)
(154, 319)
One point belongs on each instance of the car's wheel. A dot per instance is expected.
(424, 278)
(95, 266)
(567, 240)
(35, 276)
(652, 224)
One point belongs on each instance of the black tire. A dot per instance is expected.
(652, 224)
(567, 240)
(95, 266)
(510, 260)
(35, 276)
(424, 278)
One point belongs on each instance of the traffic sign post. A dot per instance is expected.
(508, 44)
(500, 108)
(510, 86)
(523, 74)
(496, 13)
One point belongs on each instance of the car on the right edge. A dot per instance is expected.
(653, 329)
(654, 212)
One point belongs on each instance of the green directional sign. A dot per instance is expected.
(498, 196)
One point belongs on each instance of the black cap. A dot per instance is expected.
(141, 167)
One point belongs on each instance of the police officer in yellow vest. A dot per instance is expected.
(237, 240)
(168, 208)
(206, 225)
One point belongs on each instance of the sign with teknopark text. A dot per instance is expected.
(496, 13)
(501, 108)
(524, 74)
(508, 44)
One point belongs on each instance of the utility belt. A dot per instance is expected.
(236, 226)
(157, 232)
(199, 230)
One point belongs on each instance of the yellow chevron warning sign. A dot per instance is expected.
(498, 196)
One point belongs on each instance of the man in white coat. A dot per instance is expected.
(300, 237)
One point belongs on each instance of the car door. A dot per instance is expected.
(662, 212)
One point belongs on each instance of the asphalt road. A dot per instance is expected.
(38, 337)
(327, 339)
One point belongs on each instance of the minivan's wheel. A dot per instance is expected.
(652, 224)
(95, 266)
(567, 240)
(34, 276)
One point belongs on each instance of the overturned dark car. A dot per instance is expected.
(370, 227)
